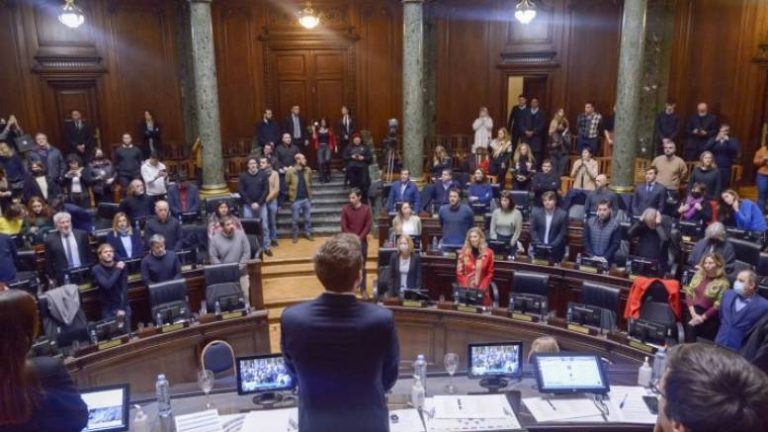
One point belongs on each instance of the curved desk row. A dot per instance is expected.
(176, 354)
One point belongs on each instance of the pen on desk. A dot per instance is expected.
(550, 404)
(458, 400)
(621, 405)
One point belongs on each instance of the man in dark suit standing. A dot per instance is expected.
(347, 127)
(297, 127)
(343, 353)
(700, 128)
(549, 226)
(534, 128)
(267, 131)
(666, 126)
(66, 248)
(650, 194)
(514, 124)
(79, 136)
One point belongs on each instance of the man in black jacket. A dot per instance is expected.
(546, 180)
(667, 126)
(653, 234)
(286, 157)
(65, 248)
(549, 226)
(534, 128)
(79, 136)
(514, 124)
(357, 157)
(267, 131)
(162, 223)
(296, 127)
(700, 128)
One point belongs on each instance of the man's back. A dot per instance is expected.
(345, 355)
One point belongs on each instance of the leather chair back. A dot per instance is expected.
(214, 292)
(531, 283)
(604, 297)
(746, 251)
(218, 357)
(219, 273)
(167, 293)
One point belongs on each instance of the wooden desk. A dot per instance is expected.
(434, 332)
(439, 273)
(176, 354)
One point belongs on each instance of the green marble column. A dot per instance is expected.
(413, 86)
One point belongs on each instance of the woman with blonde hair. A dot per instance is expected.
(404, 267)
(702, 298)
(440, 161)
(483, 127)
(523, 163)
(474, 267)
(706, 173)
(543, 345)
(501, 153)
(406, 222)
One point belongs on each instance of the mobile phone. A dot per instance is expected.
(652, 402)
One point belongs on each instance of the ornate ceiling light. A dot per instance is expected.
(525, 11)
(308, 18)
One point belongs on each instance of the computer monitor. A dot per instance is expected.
(79, 275)
(29, 285)
(109, 329)
(690, 230)
(643, 266)
(264, 376)
(561, 373)
(107, 408)
(584, 314)
(189, 217)
(468, 296)
(44, 347)
(596, 263)
(414, 294)
(133, 265)
(542, 252)
(649, 331)
(498, 247)
(251, 226)
(493, 362)
(172, 313)
(187, 258)
(527, 303)
(229, 303)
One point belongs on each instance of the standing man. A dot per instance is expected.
(347, 127)
(286, 153)
(602, 234)
(253, 187)
(79, 136)
(404, 191)
(273, 181)
(267, 131)
(700, 128)
(155, 176)
(111, 279)
(296, 127)
(232, 246)
(50, 156)
(667, 126)
(455, 220)
(356, 218)
(336, 340)
(514, 124)
(589, 125)
(725, 151)
(162, 223)
(672, 170)
(299, 180)
(127, 162)
(649, 194)
(549, 226)
(357, 157)
(741, 308)
(159, 265)
(65, 248)
(534, 125)
(601, 193)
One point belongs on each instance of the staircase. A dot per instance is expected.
(327, 201)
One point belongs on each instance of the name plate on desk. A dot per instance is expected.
(134, 277)
(172, 327)
(110, 344)
(444, 305)
(581, 329)
(85, 287)
(497, 311)
(465, 308)
(232, 315)
(642, 347)
(588, 269)
(413, 303)
(541, 262)
(687, 239)
(186, 268)
(524, 317)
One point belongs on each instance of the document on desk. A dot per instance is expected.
(483, 412)
(628, 404)
(277, 420)
(203, 421)
(407, 420)
(562, 408)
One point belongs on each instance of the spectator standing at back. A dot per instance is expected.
(356, 218)
(299, 180)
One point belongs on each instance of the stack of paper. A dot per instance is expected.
(629, 405)
(277, 420)
(467, 413)
(203, 421)
(563, 409)
(405, 420)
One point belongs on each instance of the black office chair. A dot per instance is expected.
(746, 251)
(105, 213)
(254, 230)
(606, 298)
(493, 290)
(26, 260)
(56, 329)
(228, 294)
(169, 296)
(219, 273)
(762, 264)
(385, 255)
(655, 307)
(522, 200)
(383, 284)
(530, 283)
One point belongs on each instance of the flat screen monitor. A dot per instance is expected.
(468, 296)
(251, 226)
(262, 374)
(187, 258)
(107, 408)
(133, 265)
(690, 231)
(542, 252)
(500, 247)
(527, 303)
(596, 263)
(649, 331)
(229, 303)
(414, 294)
(570, 373)
(643, 267)
(109, 329)
(495, 360)
(584, 314)
(79, 275)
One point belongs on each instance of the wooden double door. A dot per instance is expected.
(315, 79)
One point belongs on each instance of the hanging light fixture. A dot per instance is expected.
(71, 15)
(525, 11)
(308, 18)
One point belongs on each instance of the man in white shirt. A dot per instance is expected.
(155, 176)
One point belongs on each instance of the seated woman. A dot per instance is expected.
(406, 223)
(585, 171)
(404, 267)
(12, 221)
(440, 161)
(38, 393)
(702, 298)
(480, 192)
(523, 164)
(741, 213)
(696, 208)
(38, 220)
(507, 223)
(501, 154)
(474, 268)
(214, 224)
(125, 241)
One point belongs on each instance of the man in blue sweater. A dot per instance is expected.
(455, 220)
(160, 265)
(740, 309)
(404, 191)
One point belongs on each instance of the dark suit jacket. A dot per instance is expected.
(440, 192)
(288, 127)
(558, 230)
(735, 325)
(613, 243)
(345, 134)
(411, 195)
(148, 134)
(31, 188)
(345, 356)
(74, 137)
(707, 123)
(56, 258)
(268, 132)
(756, 345)
(514, 125)
(174, 198)
(414, 273)
(644, 199)
(61, 409)
(536, 123)
(137, 246)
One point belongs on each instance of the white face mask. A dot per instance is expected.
(739, 288)
(403, 248)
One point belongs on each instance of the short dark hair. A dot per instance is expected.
(356, 191)
(604, 202)
(338, 262)
(548, 195)
(708, 388)
(652, 168)
(546, 161)
(589, 102)
(454, 189)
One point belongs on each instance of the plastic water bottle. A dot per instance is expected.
(511, 304)
(578, 259)
(569, 314)
(217, 308)
(140, 420)
(164, 411)
(530, 250)
(434, 243)
(420, 370)
(159, 319)
(94, 337)
(644, 374)
(417, 393)
(659, 363)
(66, 279)
(203, 308)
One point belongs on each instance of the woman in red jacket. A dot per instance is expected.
(475, 264)
(324, 142)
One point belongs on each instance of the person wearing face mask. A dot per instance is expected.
(703, 297)
(37, 183)
(695, 208)
(480, 191)
(714, 241)
(126, 243)
(159, 265)
(404, 267)
(740, 309)
(474, 267)
(111, 278)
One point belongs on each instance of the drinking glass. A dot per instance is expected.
(451, 363)
(205, 380)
